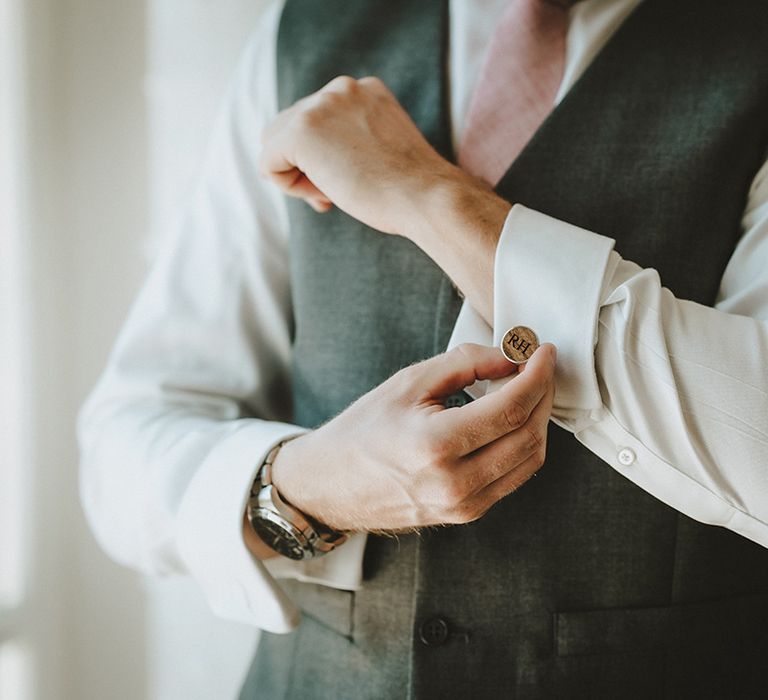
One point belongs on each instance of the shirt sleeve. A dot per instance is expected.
(197, 389)
(670, 393)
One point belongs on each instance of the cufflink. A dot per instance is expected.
(518, 344)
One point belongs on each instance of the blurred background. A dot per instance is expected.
(105, 109)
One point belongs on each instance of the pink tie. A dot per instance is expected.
(518, 84)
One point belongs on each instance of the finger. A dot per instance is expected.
(320, 205)
(484, 500)
(277, 167)
(297, 184)
(341, 84)
(445, 374)
(492, 462)
(375, 84)
(496, 414)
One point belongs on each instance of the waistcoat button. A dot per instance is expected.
(433, 632)
(457, 400)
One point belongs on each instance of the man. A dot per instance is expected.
(598, 578)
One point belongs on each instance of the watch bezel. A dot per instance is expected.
(291, 534)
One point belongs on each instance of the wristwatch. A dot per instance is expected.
(283, 528)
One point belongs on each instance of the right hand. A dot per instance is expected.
(396, 459)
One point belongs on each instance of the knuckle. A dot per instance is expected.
(345, 83)
(516, 414)
(534, 439)
(374, 84)
(329, 102)
(541, 456)
(372, 80)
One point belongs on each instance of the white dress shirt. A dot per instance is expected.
(671, 394)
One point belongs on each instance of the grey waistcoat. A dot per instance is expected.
(581, 584)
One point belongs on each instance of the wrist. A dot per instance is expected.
(457, 220)
(442, 201)
(281, 525)
(285, 477)
(289, 473)
(426, 199)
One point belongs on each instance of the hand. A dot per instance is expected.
(396, 459)
(352, 145)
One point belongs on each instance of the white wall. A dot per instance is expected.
(100, 138)
(83, 209)
(102, 173)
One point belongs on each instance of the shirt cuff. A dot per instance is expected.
(237, 585)
(549, 276)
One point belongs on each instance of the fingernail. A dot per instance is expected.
(553, 354)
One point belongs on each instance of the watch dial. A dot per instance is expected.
(278, 539)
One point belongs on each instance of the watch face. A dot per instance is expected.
(278, 538)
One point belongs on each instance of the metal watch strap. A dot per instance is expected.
(317, 539)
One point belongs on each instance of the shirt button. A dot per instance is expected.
(627, 457)
(433, 632)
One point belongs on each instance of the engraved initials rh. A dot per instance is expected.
(519, 344)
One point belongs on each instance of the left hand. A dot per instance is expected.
(352, 145)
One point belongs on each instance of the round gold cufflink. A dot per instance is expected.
(518, 344)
